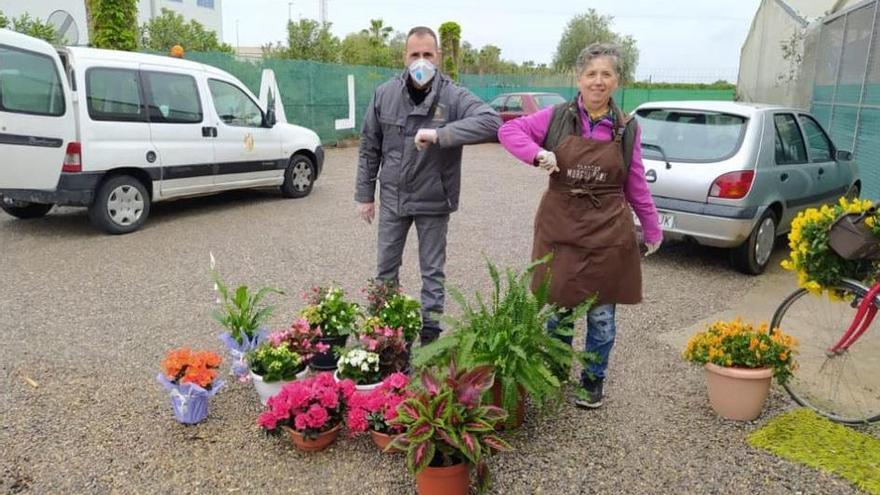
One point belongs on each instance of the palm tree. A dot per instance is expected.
(378, 32)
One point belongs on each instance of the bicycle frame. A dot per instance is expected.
(865, 314)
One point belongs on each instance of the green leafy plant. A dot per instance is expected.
(30, 26)
(242, 311)
(275, 363)
(114, 24)
(509, 332)
(445, 424)
(388, 306)
(328, 309)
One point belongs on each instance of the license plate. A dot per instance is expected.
(667, 220)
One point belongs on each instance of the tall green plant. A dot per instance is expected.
(30, 26)
(242, 311)
(114, 24)
(450, 41)
(509, 332)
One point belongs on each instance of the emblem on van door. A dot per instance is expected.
(651, 175)
(249, 142)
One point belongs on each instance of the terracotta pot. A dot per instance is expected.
(452, 480)
(737, 393)
(515, 420)
(306, 445)
(382, 440)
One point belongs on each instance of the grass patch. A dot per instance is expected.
(805, 437)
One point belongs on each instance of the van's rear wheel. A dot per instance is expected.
(23, 209)
(753, 256)
(121, 205)
(299, 177)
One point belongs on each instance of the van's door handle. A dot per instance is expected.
(783, 177)
(209, 131)
(821, 171)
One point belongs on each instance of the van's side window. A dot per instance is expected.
(174, 98)
(29, 83)
(115, 94)
(234, 106)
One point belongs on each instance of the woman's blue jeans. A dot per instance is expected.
(601, 330)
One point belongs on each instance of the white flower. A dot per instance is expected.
(365, 367)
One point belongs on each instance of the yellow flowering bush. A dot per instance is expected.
(739, 344)
(817, 266)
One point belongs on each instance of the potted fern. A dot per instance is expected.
(508, 331)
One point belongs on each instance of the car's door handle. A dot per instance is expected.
(783, 177)
(209, 131)
(821, 171)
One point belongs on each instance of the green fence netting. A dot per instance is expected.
(315, 94)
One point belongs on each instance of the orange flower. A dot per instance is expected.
(186, 366)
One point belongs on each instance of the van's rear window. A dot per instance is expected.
(29, 83)
(690, 136)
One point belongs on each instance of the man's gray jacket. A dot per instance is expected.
(416, 182)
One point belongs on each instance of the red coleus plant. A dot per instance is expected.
(377, 409)
(445, 423)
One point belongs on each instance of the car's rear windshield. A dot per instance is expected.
(690, 135)
(544, 101)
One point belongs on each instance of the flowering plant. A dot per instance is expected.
(817, 266)
(401, 311)
(377, 409)
(185, 366)
(360, 366)
(738, 344)
(241, 311)
(310, 406)
(377, 292)
(275, 362)
(389, 343)
(445, 423)
(301, 338)
(328, 309)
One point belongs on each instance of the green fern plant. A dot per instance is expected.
(509, 332)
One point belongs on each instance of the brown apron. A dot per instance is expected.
(585, 221)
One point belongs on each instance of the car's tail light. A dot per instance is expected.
(733, 185)
(73, 158)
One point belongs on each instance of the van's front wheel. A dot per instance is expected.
(121, 205)
(299, 177)
(23, 209)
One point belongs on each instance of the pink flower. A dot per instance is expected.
(322, 347)
(268, 420)
(397, 381)
(325, 380)
(357, 420)
(328, 398)
(300, 422)
(388, 332)
(317, 416)
(347, 387)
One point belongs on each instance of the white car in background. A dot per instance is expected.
(117, 131)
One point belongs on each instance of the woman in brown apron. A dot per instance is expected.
(584, 218)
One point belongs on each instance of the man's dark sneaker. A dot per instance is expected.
(428, 335)
(590, 394)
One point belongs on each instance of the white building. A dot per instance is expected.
(770, 66)
(69, 16)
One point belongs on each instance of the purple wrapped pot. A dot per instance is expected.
(188, 400)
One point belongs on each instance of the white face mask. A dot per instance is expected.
(422, 72)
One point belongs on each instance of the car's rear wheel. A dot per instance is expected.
(23, 209)
(299, 177)
(121, 205)
(753, 255)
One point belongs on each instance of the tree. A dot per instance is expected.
(31, 27)
(378, 32)
(489, 60)
(310, 40)
(169, 29)
(450, 39)
(374, 46)
(589, 28)
(114, 24)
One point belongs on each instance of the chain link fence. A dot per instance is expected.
(315, 94)
(846, 87)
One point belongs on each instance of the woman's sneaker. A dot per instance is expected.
(590, 394)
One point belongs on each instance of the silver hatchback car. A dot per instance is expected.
(734, 175)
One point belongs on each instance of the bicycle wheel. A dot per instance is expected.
(844, 387)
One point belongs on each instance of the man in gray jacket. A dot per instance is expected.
(414, 130)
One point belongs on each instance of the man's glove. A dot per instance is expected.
(425, 138)
(547, 161)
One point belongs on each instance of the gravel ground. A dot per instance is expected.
(88, 317)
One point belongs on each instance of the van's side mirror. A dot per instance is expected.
(843, 155)
(270, 118)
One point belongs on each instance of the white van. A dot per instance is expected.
(117, 131)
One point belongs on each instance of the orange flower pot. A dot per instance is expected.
(382, 440)
(515, 420)
(452, 480)
(737, 393)
(307, 445)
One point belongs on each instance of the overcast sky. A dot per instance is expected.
(684, 40)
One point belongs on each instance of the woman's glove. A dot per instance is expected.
(652, 247)
(547, 161)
